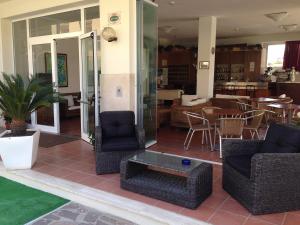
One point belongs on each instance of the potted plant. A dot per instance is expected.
(7, 121)
(19, 97)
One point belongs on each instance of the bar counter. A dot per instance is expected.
(252, 89)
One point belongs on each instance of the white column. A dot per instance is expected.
(206, 47)
(118, 59)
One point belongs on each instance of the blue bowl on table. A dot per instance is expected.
(186, 162)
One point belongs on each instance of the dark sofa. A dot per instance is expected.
(264, 176)
(116, 137)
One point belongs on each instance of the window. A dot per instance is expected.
(55, 24)
(275, 55)
(20, 48)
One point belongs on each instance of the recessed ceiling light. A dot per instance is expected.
(172, 2)
(289, 27)
(276, 16)
(237, 29)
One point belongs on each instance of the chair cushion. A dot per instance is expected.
(117, 124)
(120, 144)
(281, 139)
(241, 163)
(70, 100)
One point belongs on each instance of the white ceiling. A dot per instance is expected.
(245, 15)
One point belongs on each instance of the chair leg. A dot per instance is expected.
(188, 146)
(220, 140)
(202, 137)
(257, 134)
(187, 136)
(206, 139)
(210, 141)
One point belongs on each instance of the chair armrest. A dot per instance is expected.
(98, 138)
(140, 135)
(241, 147)
(276, 168)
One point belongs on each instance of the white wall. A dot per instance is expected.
(206, 41)
(70, 47)
(118, 59)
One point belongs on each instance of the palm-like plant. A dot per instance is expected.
(19, 97)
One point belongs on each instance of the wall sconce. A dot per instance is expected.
(109, 34)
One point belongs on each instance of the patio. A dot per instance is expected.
(74, 161)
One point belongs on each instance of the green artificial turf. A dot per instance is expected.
(20, 204)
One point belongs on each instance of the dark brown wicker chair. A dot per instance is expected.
(264, 176)
(116, 137)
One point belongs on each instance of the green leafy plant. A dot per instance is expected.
(19, 97)
(92, 138)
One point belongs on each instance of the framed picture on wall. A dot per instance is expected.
(62, 68)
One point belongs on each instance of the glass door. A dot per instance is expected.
(147, 68)
(43, 60)
(89, 84)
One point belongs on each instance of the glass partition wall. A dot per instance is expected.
(35, 53)
(147, 68)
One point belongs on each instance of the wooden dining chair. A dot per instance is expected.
(203, 125)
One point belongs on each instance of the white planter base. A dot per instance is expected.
(19, 152)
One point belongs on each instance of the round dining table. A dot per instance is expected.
(289, 108)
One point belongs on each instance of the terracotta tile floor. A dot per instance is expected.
(75, 161)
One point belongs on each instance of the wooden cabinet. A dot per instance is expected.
(181, 64)
(252, 64)
(238, 63)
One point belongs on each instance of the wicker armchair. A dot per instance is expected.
(116, 137)
(264, 175)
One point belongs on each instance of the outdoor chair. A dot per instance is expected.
(253, 120)
(116, 137)
(264, 175)
(230, 128)
(204, 126)
(213, 120)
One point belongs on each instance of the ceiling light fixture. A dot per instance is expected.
(172, 2)
(289, 27)
(276, 16)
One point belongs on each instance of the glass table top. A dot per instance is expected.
(165, 161)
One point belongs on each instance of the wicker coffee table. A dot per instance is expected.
(163, 177)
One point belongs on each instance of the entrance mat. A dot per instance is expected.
(77, 214)
(50, 140)
(20, 204)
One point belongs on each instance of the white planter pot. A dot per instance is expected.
(19, 152)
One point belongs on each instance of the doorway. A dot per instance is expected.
(70, 63)
(69, 86)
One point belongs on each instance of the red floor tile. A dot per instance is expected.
(292, 219)
(222, 217)
(233, 206)
(253, 221)
(271, 218)
(75, 161)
